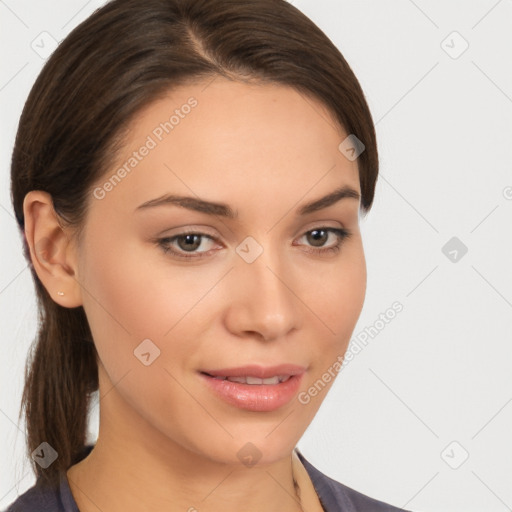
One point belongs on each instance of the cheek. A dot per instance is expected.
(338, 297)
(117, 289)
(348, 297)
(338, 304)
(135, 298)
(131, 293)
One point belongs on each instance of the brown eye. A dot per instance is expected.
(186, 245)
(317, 240)
(189, 242)
(318, 237)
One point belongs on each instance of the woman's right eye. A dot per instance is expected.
(180, 245)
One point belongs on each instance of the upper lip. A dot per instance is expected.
(253, 370)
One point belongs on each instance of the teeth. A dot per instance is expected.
(241, 380)
(256, 380)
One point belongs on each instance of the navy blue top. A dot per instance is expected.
(334, 496)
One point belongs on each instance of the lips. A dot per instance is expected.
(254, 387)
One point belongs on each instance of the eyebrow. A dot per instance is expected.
(224, 210)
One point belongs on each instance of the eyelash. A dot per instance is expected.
(163, 243)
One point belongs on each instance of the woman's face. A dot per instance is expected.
(260, 281)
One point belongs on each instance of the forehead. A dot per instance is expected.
(221, 138)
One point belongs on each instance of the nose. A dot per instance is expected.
(264, 303)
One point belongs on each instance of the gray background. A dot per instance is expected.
(433, 387)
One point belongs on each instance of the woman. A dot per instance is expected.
(189, 177)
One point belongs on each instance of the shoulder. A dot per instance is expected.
(36, 498)
(41, 498)
(336, 496)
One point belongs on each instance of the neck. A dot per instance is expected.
(133, 467)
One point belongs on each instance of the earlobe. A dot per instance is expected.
(52, 250)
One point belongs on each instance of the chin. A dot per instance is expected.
(253, 444)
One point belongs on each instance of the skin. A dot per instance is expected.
(165, 440)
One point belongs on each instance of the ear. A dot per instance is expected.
(52, 250)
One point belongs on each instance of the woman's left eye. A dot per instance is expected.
(179, 245)
(319, 236)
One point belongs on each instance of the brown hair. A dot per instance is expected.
(123, 57)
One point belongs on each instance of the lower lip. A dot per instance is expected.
(255, 397)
